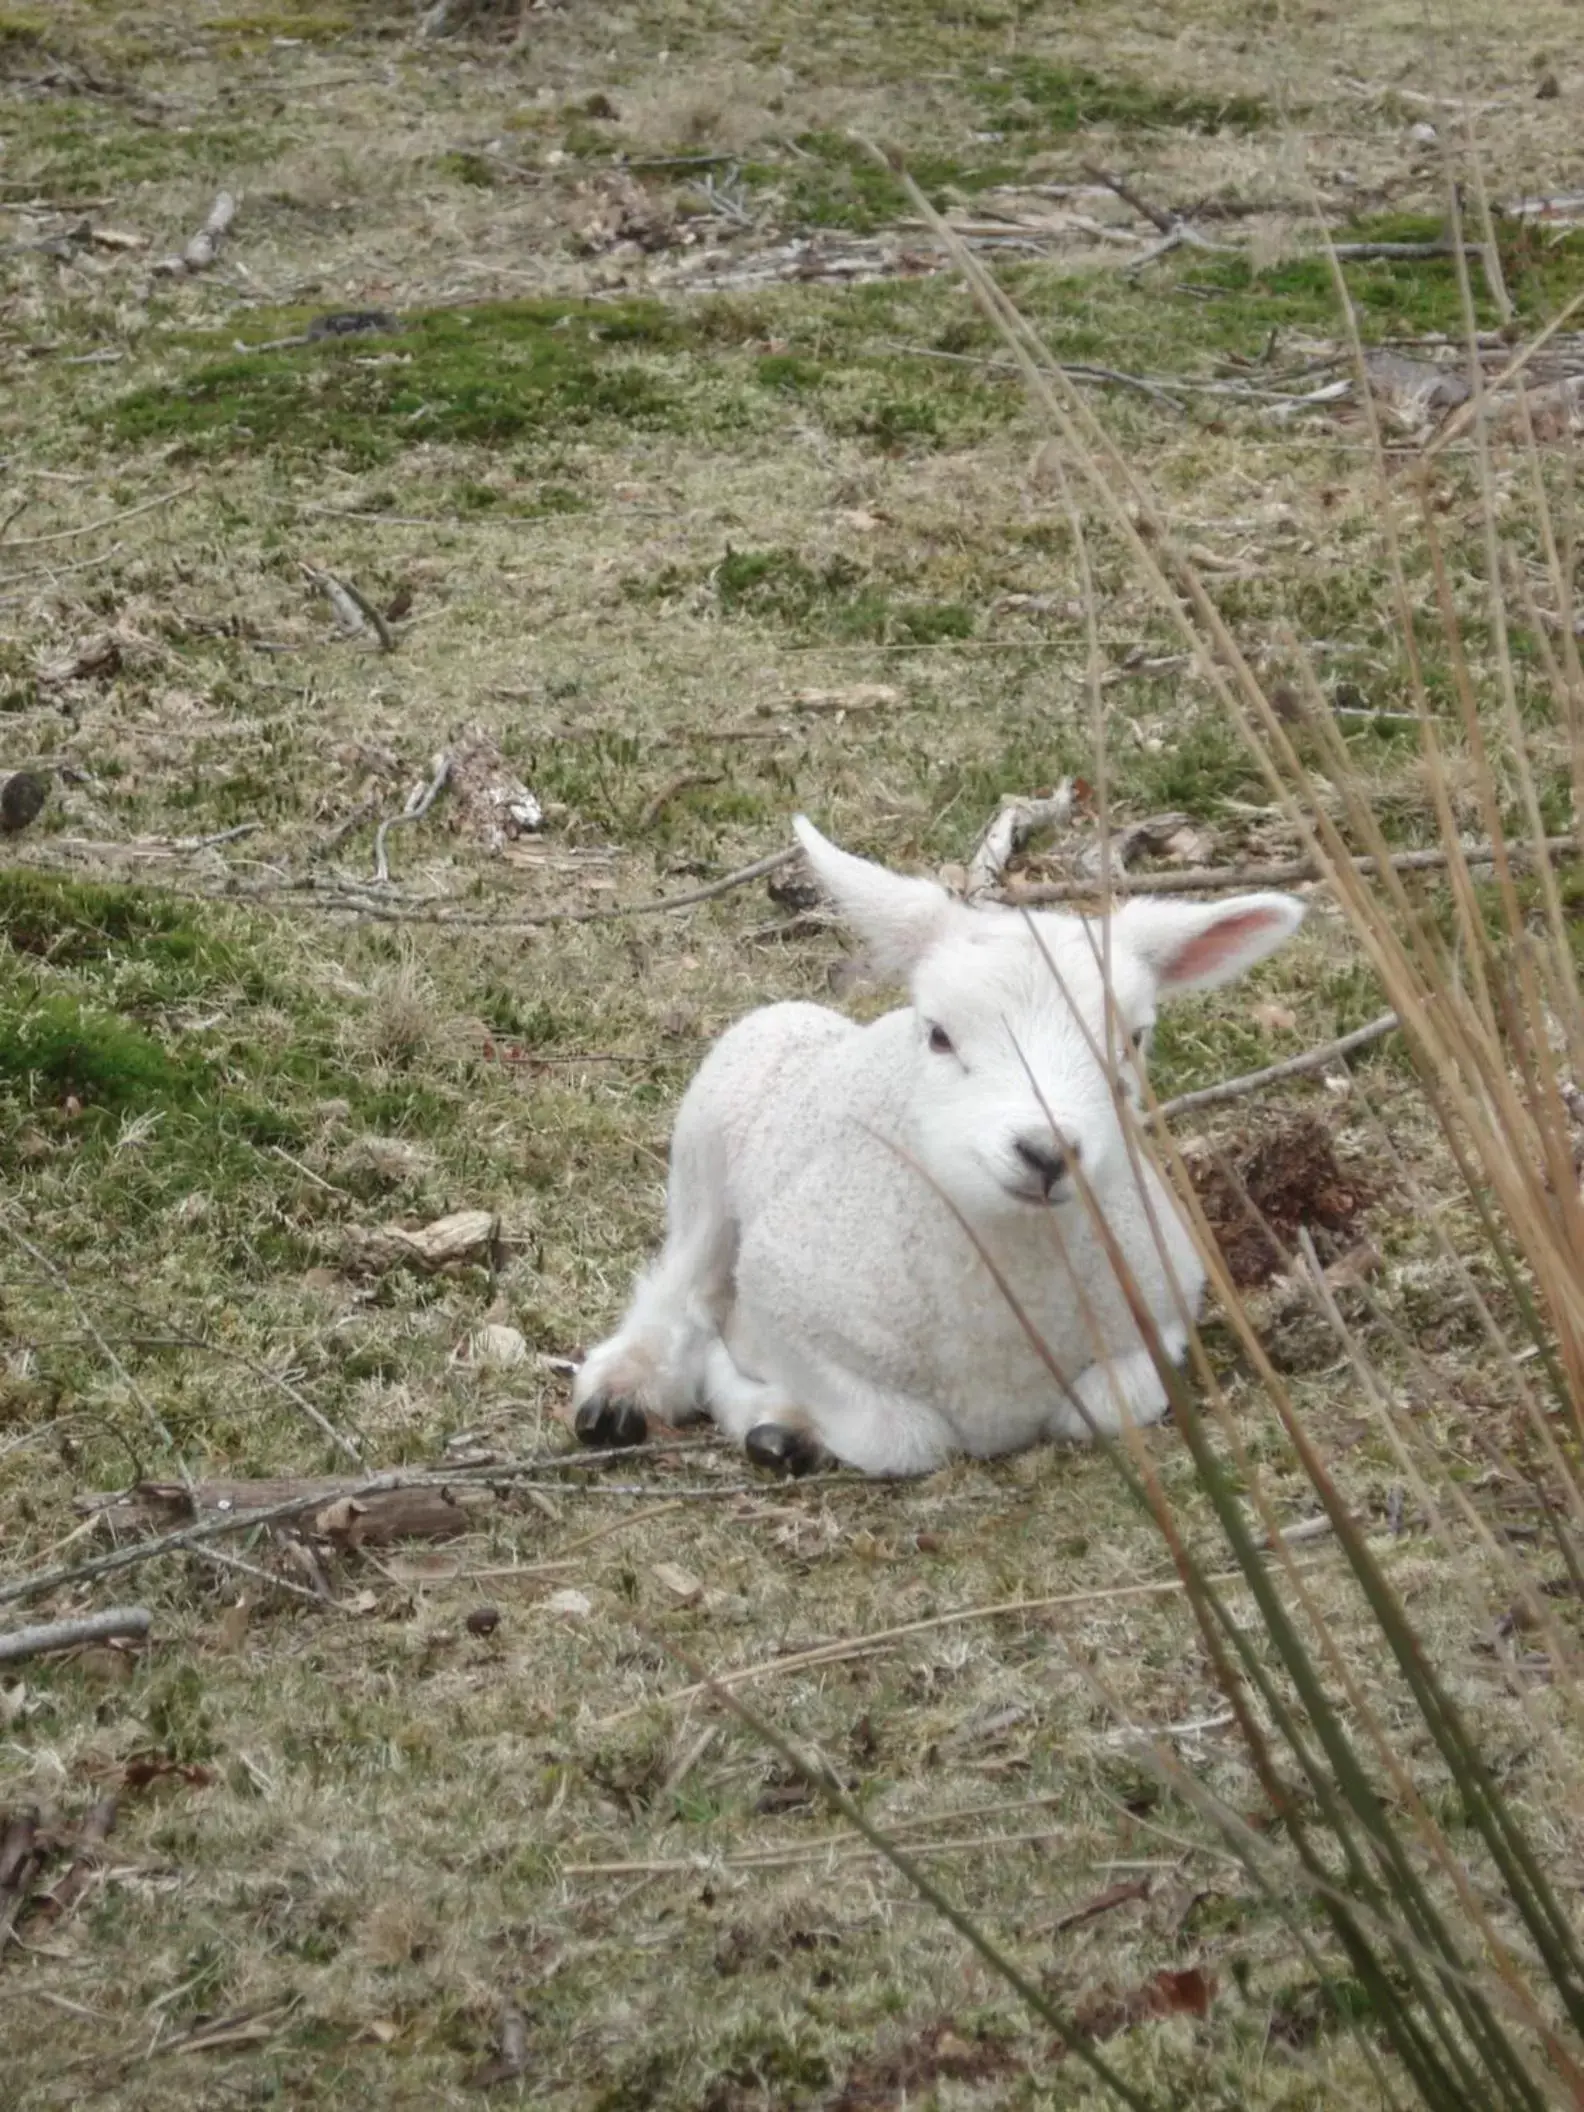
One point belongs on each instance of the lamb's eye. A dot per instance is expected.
(940, 1041)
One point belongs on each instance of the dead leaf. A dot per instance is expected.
(146, 1768)
(683, 1586)
(509, 2064)
(384, 2031)
(576, 1605)
(1168, 1993)
(361, 1603)
(1273, 1018)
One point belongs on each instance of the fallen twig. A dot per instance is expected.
(354, 611)
(1114, 377)
(419, 800)
(109, 520)
(235, 1563)
(1408, 252)
(1015, 821)
(1205, 878)
(204, 247)
(882, 1638)
(318, 897)
(1166, 222)
(1292, 1067)
(104, 1627)
(317, 1495)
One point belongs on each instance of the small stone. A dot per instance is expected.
(494, 1348)
(22, 797)
(483, 1620)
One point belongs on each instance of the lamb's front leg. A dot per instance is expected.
(817, 1412)
(1109, 1396)
(655, 1362)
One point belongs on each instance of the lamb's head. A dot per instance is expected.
(1020, 1058)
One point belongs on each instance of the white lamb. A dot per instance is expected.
(818, 1293)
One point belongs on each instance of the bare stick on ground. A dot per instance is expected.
(419, 801)
(204, 247)
(1203, 879)
(1291, 1067)
(114, 1623)
(426, 913)
(108, 520)
(1015, 822)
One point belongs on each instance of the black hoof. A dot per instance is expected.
(610, 1421)
(782, 1449)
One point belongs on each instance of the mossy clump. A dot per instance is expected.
(54, 1048)
(1040, 101)
(499, 372)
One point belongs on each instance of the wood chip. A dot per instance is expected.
(683, 1586)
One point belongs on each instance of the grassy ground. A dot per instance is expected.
(634, 526)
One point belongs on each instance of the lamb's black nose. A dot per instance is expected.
(1045, 1158)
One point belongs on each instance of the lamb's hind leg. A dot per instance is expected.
(655, 1362)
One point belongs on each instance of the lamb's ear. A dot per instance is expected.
(899, 919)
(1196, 945)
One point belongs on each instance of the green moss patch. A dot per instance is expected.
(1042, 102)
(502, 372)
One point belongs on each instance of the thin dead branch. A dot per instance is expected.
(419, 800)
(1205, 879)
(882, 1639)
(347, 1496)
(108, 520)
(353, 610)
(113, 1624)
(1016, 820)
(1292, 1067)
(204, 247)
(1165, 222)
